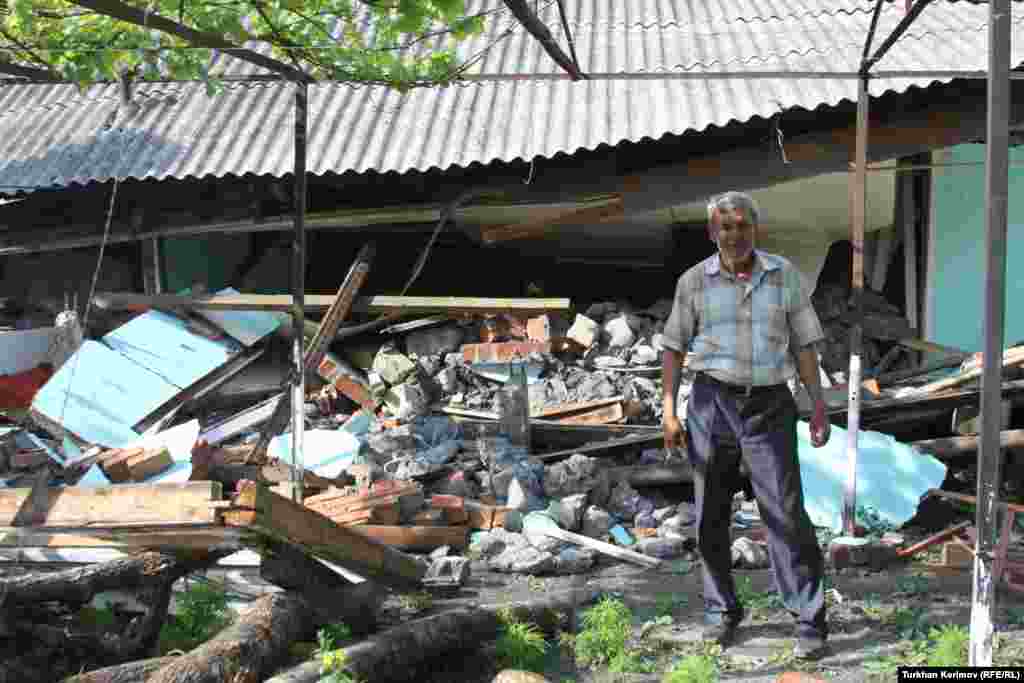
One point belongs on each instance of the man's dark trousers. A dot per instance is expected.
(763, 423)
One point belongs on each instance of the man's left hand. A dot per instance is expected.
(820, 426)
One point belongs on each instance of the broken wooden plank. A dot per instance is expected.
(416, 537)
(111, 506)
(602, 415)
(932, 347)
(484, 516)
(609, 447)
(651, 475)
(1011, 358)
(261, 511)
(950, 447)
(563, 409)
(409, 305)
(618, 553)
(135, 464)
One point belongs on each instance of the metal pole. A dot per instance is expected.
(997, 146)
(299, 292)
(857, 211)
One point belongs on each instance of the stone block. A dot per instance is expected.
(392, 365)
(584, 331)
(596, 523)
(571, 511)
(619, 333)
(434, 340)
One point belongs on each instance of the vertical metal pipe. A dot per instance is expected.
(857, 212)
(299, 291)
(997, 147)
(158, 271)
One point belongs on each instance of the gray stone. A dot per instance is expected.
(596, 523)
(571, 511)
(623, 501)
(661, 514)
(609, 362)
(392, 365)
(502, 480)
(443, 551)
(447, 572)
(665, 548)
(523, 560)
(658, 341)
(407, 401)
(544, 542)
(599, 309)
(453, 360)
(647, 387)
(434, 340)
(584, 331)
(448, 380)
(643, 355)
(749, 554)
(618, 332)
(596, 387)
(574, 560)
(578, 474)
(645, 521)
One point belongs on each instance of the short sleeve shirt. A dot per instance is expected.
(744, 332)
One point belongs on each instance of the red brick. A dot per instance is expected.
(502, 352)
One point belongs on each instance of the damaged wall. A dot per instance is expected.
(956, 273)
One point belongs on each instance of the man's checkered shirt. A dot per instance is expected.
(743, 332)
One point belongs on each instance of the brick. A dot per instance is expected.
(135, 464)
(352, 389)
(502, 352)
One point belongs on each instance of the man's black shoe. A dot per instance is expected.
(810, 648)
(724, 634)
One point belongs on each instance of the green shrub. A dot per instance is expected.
(202, 612)
(521, 646)
(693, 669)
(606, 628)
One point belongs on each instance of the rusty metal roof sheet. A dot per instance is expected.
(514, 107)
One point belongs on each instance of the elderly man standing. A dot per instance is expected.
(747, 322)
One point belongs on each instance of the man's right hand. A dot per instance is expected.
(673, 432)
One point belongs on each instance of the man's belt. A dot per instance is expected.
(739, 389)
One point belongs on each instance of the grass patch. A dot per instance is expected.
(694, 668)
(202, 612)
(606, 628)
(521, 645)
(942, 646)
(333, 659)
(756, 602)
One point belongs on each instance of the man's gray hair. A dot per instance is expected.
(733, 200)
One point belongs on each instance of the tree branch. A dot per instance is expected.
(539, 30)
(29, 72)
(133, 15)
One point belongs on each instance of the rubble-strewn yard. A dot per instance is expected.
(422, 475)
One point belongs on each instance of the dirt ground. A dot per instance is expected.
(865, 624)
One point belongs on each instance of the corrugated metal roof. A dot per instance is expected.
(53, 135)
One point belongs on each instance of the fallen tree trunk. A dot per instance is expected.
(330, 596)
(132, 672)
(80, 585)
(252, 647)
(403, 652)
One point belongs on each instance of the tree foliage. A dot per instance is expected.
(395, 42)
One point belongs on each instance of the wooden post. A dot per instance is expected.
(299, 290)
(858, 209)
(997, 144)
(906, 220)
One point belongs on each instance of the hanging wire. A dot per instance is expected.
(96, 270)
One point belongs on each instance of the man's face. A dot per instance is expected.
(735, 234)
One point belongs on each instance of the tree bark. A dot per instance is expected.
(250, 648)
(331, 597)
(399, 654)
(80, 585)
(132, 672)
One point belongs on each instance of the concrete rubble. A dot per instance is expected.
(429, 407)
